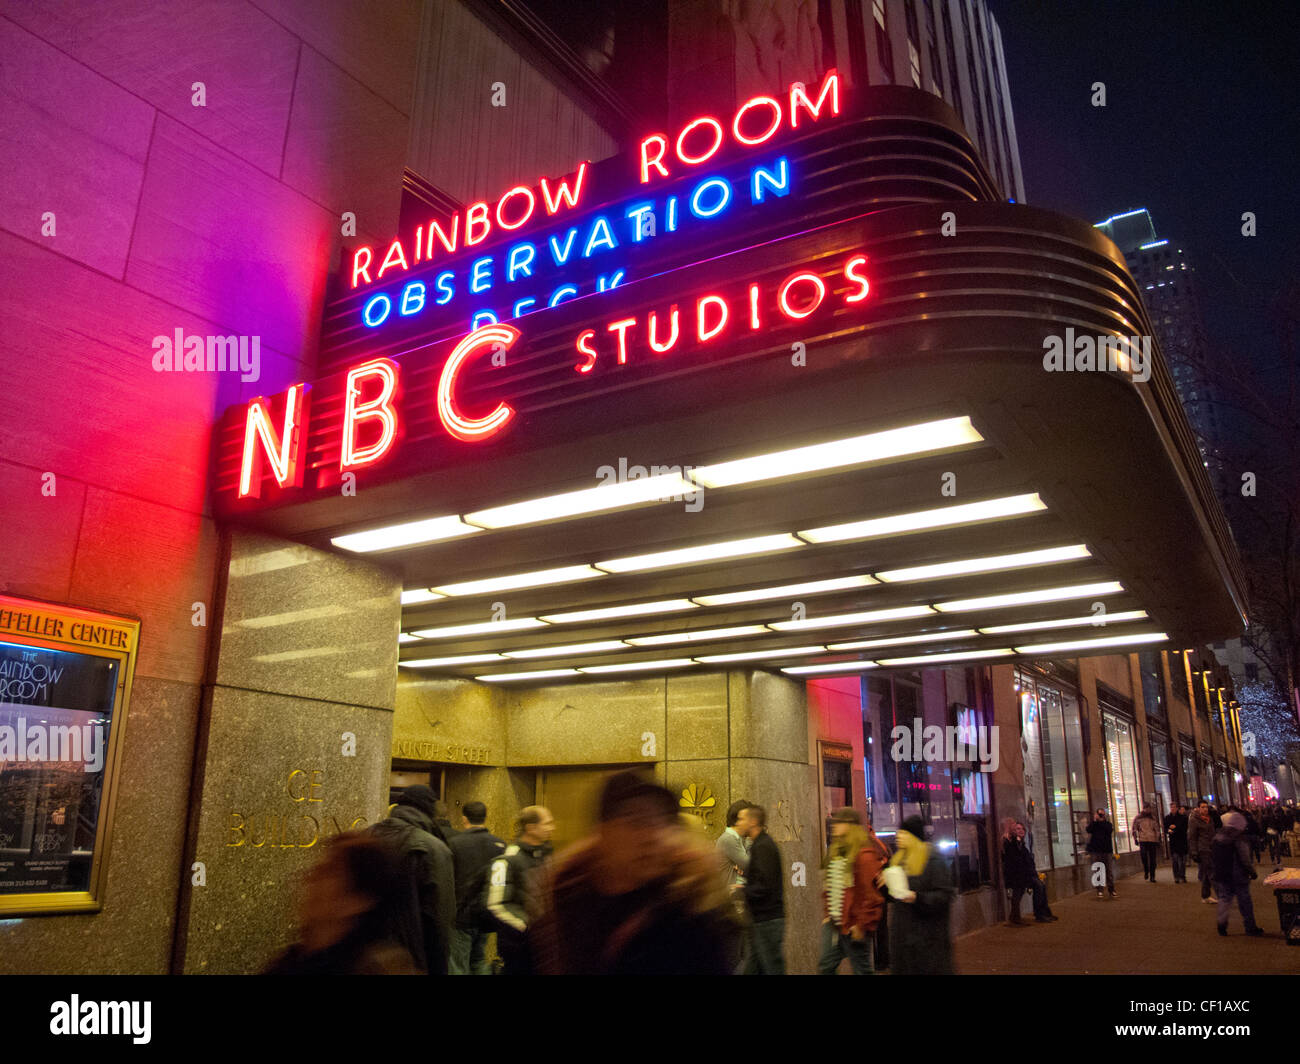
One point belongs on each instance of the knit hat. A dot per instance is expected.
(1234, 820)
(846, 814)
(420, 797)
(914, 825)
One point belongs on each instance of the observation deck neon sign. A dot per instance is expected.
(546, 267)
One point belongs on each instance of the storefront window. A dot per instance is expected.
(1031, 743)
(1121, 779)
(1056, 793)
(1152, 690)
(1190, 793)
(1162, 775)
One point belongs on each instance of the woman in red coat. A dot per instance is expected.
(851, 901)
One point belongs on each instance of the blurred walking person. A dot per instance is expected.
(511, 893)
(851, 900)
(1233, 871)
(1146, 830)
(733, 851)
(1020, 872)
(412, 834)
(919, 882)
(472, 851)
(347, 913)
(764, 894)
(1176, 833)
(640, 896)
(1200, 842)
(1101, 848)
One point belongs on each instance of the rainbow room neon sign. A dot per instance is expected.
(535, 247)
(689, 324)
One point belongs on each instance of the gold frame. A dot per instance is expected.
(92, 899)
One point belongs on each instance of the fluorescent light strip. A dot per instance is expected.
(566, 574)
(903, 640)
(942, 517)
(931, 659)
(1028, 598)
(995, 563)
(415, 595)
(844, 619)
(406, 637)
(409, 534)
(757, 655)
(572, 648)
(1089, 644)
(540, 674)
(459, 659)
(808, 587)
(734, 548)
(702, 636)
(519, 624)
(607, 613)
(586, 501)
(1100, 620)
(839, 666)
(640, 666)
(854, 450)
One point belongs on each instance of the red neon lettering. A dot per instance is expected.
(476, 213)
(359, 267)
(621, 327)
(705, 301)
(351, 456)
(690, 160)
(661, 141)
(396, 257)
(518, 190)
(583, 344)
(451, 243)
(672, 336)
(458, 425)
(564, 193)
(281, 449)
(856, 261)
(419, 241)
(783, 295)
(799, 98)
(767, 134)
(753, 307)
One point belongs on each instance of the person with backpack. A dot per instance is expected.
(472, 852)
(511, 895)
(1233, 871)
(425, 922)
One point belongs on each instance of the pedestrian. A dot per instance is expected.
(1101, 848)
(921, 887)
(640, 896)
(1146, 830)
(764, 894)
(1233, 871)
(445, 830)
(1175, 825)
(346, 914)
(472, 852)
(510, 896)
(1254, 832)
(1200, 839)
(733, 851)
(429, 918)
(1273, 834)
(851, 899)
(1020, 872)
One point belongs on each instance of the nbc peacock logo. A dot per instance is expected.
(698, 801)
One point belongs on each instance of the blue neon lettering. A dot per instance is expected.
(719, 206)
(560, 260)
(601, 225)
(672, 214)
(560, 294)
(480, 274)
(637, 214)
(482, 318)
(522, 306)
(762, 176)
(614, 280)
(443, 284)
(407, 310)
(526, 267)
(365, 312)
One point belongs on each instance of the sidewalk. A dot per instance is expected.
(1159, 928)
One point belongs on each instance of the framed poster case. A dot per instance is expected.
(65, 684)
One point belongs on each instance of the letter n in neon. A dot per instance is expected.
(282, 449)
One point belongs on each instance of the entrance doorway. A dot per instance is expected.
(572, 795)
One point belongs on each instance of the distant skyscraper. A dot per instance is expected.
(1173, 299)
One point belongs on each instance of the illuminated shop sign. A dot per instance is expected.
(592, 230)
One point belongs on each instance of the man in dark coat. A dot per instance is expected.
(1101, 849)
(764, 894)
(1021, 874)
(472, 851)
(1233, 871)
(1176, 833)
(1200, 839)
(425, 924)
(920, 942)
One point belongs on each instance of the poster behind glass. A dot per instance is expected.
(56, 714)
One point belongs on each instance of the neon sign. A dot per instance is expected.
(371, 398)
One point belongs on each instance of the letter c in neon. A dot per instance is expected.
(472, 430)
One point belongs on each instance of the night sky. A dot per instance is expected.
(1201, 123)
